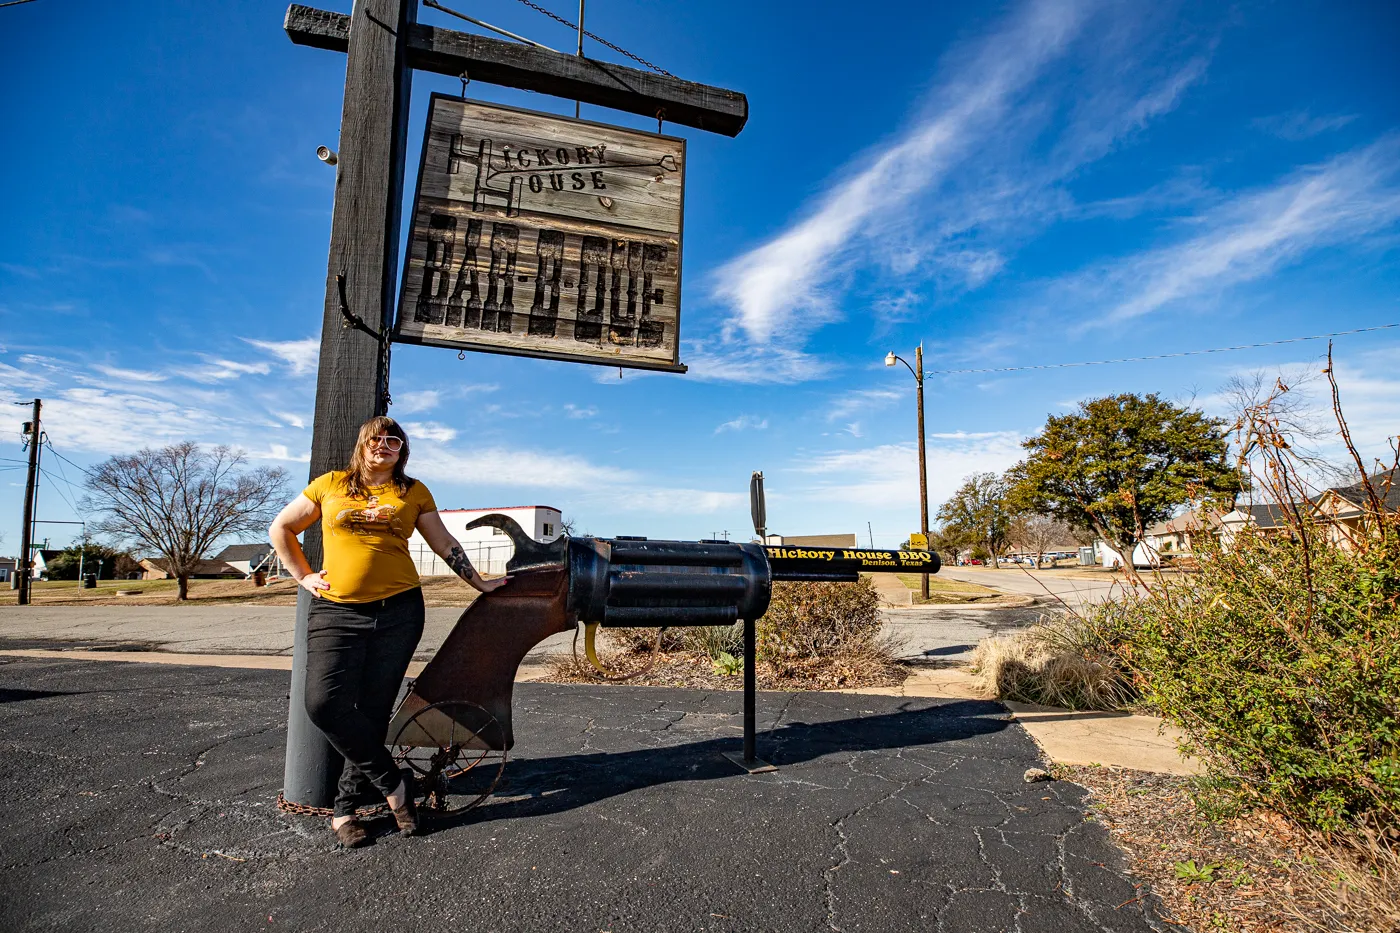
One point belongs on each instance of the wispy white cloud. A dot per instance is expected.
(411, 403)
(429, 431)
(779, 286)
(291, 419)
(300, 355)
(887, 476)
(744, 423)
(1301, 124)
(513, 467)
(845, 404)
(280, 452)
(755, 364)
(216, 370)
(130, 375)
(1249, 236)
(575, 411)
(945, 204)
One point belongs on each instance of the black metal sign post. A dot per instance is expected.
(384, 44)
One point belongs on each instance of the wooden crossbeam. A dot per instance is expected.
(509, 64)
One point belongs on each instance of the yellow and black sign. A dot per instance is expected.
(918, 541)
(811, 563)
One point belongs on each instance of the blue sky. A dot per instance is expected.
(1012, 184)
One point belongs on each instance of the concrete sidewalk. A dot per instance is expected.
(149, 804)
(929, 632)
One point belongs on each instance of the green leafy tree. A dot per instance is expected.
(1122, 463)
(90, 557)
(949, 542)
(980, 511)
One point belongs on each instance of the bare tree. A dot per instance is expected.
(178, 501)
(1034, 532)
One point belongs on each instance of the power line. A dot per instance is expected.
(14, 3)
(71, 484)
(58, 489)
(75, 466)
(599, 39)
(1159, 356)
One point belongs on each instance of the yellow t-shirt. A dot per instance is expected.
(366, 540)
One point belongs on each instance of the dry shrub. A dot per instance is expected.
(1062, 660)
(817, 620)
(828, 634)
(1357, 877)
(814, 636)
(643, 640)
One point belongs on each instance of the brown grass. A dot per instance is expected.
(947, 592)
(1053, 663)
(441, 591)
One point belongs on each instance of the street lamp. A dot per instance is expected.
(918, 372)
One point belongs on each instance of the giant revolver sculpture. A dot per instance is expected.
(458, 710)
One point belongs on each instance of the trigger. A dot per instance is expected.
(590, 648)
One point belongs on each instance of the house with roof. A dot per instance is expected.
(247, 557)
(158, 568)
(1344, 508)
(1265, 517)
(1172, 538)
(42, 558)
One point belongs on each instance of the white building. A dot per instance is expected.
(487, 548)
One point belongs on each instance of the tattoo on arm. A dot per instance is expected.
(457, 560)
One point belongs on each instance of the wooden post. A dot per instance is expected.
(26, 535)
(352, 381)
(923, 470)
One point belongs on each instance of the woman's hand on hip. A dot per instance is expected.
(313, 583)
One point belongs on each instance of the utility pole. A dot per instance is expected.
(923, 471)
(26, 536)
(918, 372)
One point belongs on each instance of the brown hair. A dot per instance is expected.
(357, 473)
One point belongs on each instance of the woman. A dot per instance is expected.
(367, 615)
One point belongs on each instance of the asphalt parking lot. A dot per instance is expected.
(142, 797)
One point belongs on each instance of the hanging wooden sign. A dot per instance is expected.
(540, 235)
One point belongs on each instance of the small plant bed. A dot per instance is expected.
(1216, 867)
(947, 592)
(698, 670)
(815, 636)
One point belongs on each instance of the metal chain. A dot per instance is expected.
(616, 48)
(301, 809)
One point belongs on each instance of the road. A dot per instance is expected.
(931, 633)
(227, 628)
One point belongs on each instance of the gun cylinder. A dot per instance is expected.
(635, 582)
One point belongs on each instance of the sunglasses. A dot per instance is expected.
(388, 442)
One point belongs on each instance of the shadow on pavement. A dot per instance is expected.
(542, 786)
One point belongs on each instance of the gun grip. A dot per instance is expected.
(480, 656)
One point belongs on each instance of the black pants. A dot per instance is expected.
(356, 658)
